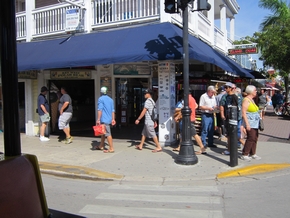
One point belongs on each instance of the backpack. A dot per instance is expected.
(154, 114)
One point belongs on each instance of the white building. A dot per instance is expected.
(47, 20)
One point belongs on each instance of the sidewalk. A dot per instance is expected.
(78, 160)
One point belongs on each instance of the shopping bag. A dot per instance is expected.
(99, 129)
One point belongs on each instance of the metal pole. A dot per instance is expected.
(186, 154)
(9, 76)
(233, 135)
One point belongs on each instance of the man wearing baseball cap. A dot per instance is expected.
(148, 130)
(229, 99)
(106, 116)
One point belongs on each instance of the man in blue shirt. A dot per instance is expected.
(106, 116)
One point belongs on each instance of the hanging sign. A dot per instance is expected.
(241, 51)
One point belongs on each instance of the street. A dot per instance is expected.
(255, 196)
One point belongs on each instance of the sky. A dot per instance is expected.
(248, 21)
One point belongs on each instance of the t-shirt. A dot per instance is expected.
(42, 101)
(65, 98)
(227, 101)
(106, 105)
(263, 99)
(192, 105)
(149, 104)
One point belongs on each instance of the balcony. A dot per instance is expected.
(50, 21)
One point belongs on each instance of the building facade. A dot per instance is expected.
(44, 20)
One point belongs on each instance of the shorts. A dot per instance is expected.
(149, 131)
(262, 107)
(192, 129)
(108, 130)
(64, 119)
(219, 120)
(45, 118)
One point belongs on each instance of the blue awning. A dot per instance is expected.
(152, 42)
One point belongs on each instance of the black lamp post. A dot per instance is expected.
(186, 154)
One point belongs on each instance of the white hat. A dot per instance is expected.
(104, 90)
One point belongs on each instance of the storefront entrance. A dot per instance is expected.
(129, 99)
(82, 93)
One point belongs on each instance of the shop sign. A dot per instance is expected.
(32, 74)
(131, 69)
(241, 51)
(70, 74)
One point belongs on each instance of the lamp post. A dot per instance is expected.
(186, 154)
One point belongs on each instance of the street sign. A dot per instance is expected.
(72, 19)
(241, 51)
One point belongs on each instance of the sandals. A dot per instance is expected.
(175, 149)
(108, 151)
(138, 148)
(96, 147)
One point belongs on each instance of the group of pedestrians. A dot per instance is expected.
(248, 117)
(65, 110)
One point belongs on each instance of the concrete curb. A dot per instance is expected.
(76, 172)
(254, 169)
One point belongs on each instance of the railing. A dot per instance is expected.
(105, 11)
(21, 25)
(50, 20)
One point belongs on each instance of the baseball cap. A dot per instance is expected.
(43, 89)
(147, 91)
(104, 90)
(229, 84)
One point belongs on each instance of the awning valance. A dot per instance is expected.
(152, 42)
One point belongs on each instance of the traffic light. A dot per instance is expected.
(171, 6)
(203, 5)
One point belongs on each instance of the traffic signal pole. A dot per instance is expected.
(186, 154)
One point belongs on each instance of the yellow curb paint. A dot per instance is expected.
(254, 169)
(77, 170)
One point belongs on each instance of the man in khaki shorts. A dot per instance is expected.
(43, 112)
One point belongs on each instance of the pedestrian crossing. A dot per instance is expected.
(166, 201)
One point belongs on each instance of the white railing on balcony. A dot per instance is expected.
(21, 25)
(123, 11)
(50, 20)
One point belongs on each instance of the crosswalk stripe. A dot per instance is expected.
(160, 198)
(166, 188)
(150, 212)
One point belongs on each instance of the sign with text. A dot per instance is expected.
(241, 51)
(166, 106)
(72, 19)
(28, 74)
(70, 74)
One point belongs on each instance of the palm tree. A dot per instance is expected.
(276, 27)
(281, 13)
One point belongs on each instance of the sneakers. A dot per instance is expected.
(245, 157)
(256, 157)
(67, 140)
(43, 139)
(226, 152)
